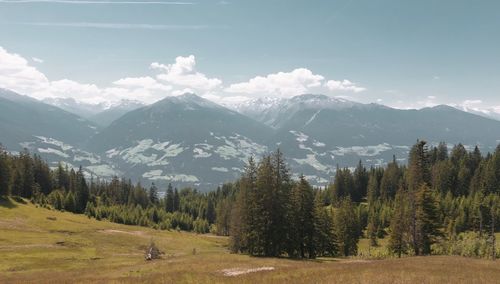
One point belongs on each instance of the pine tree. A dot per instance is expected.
(281, 189)
(69, 202)
(81, 192)
(442, 151)
(153, 194)
(241, 215)
(224, 209)
(443, 177)
(346, 228)
(177, 200)
(360, 182)
(399, 224)
(343, 185)
(256, 212)
(42, 175)
(390, 180)
(27, 177)
(373, 186)
(427, 219)
(302, 220)
(418, 174)
(210, 214)
(5, 173)
(169, 199)
(324, 237)
(372, 227)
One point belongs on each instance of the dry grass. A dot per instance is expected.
(43, 246)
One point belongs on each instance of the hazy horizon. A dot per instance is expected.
(403, 55)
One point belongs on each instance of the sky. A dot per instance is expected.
(405, 54)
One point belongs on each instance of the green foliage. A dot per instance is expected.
(5, 173)
(470, 244)
(346, 228)
(201, 226)
(301, 221)
(398, 239)
(427, 222)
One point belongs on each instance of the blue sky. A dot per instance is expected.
(399, 53)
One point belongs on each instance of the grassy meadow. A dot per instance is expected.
(39, 245)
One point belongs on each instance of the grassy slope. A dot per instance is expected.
(73, 248)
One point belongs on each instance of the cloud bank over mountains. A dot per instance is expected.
(171, 79)
(22, 75)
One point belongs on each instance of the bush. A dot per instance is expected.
(201, 226)
(469, 244)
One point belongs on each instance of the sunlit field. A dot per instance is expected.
(42, 246)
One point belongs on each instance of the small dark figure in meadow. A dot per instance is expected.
(152, 252)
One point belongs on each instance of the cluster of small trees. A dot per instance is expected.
(440, 196)
(437, 196)
(273, 215)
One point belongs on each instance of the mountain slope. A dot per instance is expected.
(22, 118)
(184, 139)
(321, 135)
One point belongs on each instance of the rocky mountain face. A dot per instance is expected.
(190, 141)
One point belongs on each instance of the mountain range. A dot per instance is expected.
(190, 141)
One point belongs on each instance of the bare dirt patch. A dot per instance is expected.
(133, 233)
(231, 272)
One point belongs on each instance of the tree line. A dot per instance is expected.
(440, 201)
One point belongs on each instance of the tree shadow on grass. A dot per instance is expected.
(7, 202)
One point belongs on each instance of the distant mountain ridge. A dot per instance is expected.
(102, 113)
(188, 140)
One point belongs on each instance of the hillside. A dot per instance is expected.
(184, 140)
(46, 246)
(23, 119)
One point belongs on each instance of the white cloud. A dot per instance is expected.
(182, 92)
(142, 82)
(431, 97)
(18, 75)
(228, 101)
(479, 107)
(474, 105)
(472, 102)
(284, 84)
(37, 60)
(183, 73)
(344, 85)
(177, 78)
